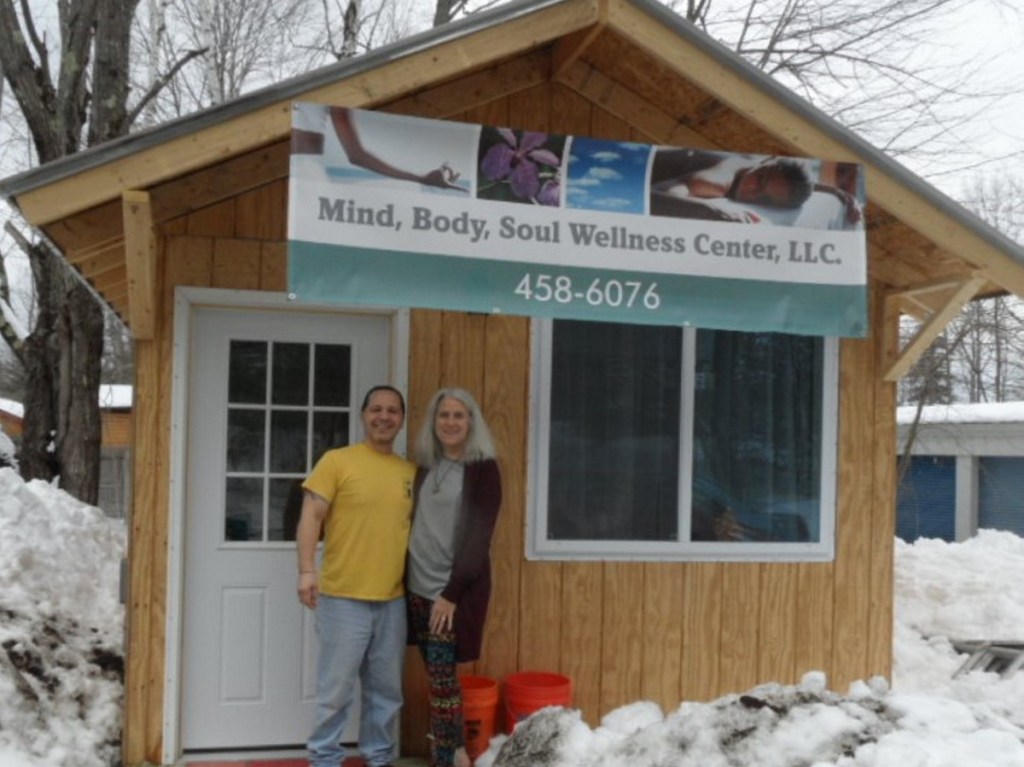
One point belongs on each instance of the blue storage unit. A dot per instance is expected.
(1001, 493)
(926, 500)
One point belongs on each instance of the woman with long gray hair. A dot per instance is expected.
(457, 496)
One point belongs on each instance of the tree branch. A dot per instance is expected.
(160, 83)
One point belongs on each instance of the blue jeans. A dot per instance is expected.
(364, 641)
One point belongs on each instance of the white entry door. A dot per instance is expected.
(268, 393)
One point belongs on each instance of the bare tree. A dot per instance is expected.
(70, 95)
(874, 65)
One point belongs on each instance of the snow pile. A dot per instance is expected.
(61, 622)
(770, 726)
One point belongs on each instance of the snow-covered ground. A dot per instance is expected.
(60, 662)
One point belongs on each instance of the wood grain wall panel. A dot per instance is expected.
(660, 679)
(494, 113)
(462, 351)
(738, 651)
(622, 634)
(212, 221)
(505, 402)
(173, 227)
(815, 611)
(236, 264)
(777, 630)
(189, 262)
(274, 266)
(262, 213)
(854, 498)
(424, 366)
(582, 615)
(415, 724)
(702, 630)
(540, 616)
(883, 518)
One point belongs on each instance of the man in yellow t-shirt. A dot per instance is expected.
(360, 496)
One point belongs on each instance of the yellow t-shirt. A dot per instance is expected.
(367, 527)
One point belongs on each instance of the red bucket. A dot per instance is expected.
(479, 712)
(530, 691)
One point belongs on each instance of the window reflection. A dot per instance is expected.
(288, 435)
(285, 507)
(247, 372)
(290, 379)
(615, 403)
(246, 439)
(757, 437)
(331, 383)
(243, 509)
(330, 430)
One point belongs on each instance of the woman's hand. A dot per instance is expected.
(442, 616)
(443, 177)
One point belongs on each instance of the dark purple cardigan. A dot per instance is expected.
(469, 586)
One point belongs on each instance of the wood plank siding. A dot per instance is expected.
(622, 631)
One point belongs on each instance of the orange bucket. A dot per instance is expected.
(529, 691)
(479, 712)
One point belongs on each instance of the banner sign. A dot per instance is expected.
(392, 210)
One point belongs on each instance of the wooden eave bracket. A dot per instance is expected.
(140, 262)
(962, 293)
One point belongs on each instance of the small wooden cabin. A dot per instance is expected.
(182, 229)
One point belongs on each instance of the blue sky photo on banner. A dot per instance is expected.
(390, 210)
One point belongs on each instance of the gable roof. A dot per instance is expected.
(634, 59)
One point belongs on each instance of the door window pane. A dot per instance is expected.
(246, 439)
(290, 380)
(330, 430)
(288, 433)
(265, 467)
(285, 507)
(243, 509)
(247, 372)
(332, 383)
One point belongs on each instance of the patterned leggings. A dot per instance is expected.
(438, 651)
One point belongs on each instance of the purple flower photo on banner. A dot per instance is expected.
(520, 166)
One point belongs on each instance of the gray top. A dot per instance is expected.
(432, 540)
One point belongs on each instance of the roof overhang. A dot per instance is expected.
(632, 59)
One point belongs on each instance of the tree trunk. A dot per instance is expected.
(79, 417)
(62, 429)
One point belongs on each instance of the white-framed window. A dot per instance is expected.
(669, 443)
